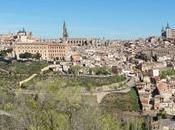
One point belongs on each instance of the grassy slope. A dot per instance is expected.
(124, 102)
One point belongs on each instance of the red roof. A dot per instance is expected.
(144, 100)
(157, 106)
(162, 86)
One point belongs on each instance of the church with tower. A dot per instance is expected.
(79, 41)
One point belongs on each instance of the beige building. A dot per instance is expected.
(48, 51)
(146, 67)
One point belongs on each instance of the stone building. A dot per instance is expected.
(20, 36)
(23, 36)
(159, 51)
(81, 41)
(48, 51)
(168, 32)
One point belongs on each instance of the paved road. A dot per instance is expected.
(131, 82)
(5, 113)
(101, 93)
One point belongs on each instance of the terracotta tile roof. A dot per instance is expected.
(162, 86)
(144, 100)
(157, 106)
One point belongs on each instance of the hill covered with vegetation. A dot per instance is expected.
(52, 102)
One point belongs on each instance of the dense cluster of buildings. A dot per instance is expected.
(50, 49)
(157, 94)
(142, 59)
(156, 88)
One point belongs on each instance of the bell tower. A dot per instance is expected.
(65, 33)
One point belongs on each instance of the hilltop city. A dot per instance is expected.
(144, 66)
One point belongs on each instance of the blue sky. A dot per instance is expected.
(119, 19)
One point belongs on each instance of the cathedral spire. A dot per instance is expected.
(168, 26)
(65, 33)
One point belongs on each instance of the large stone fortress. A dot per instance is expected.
(168, 32)
(20, 36)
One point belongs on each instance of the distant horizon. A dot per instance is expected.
(114, 19)
(81, 36)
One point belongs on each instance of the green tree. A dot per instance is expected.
(74, 70)
(109, 123)
(25, 55)
(101, 71)
(3, 53)
(37, 56)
